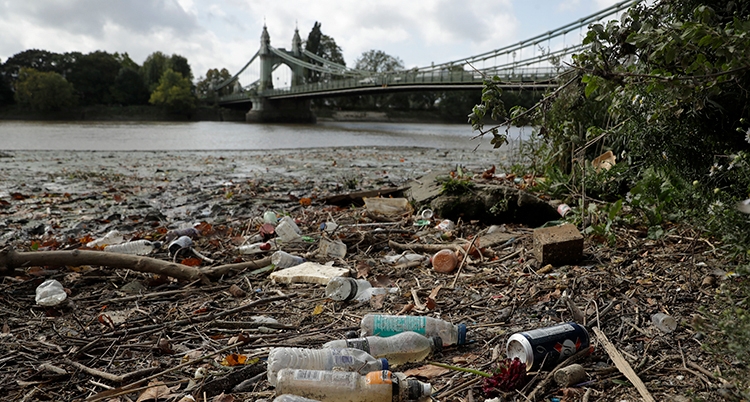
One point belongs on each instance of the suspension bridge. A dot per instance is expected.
(531, 63)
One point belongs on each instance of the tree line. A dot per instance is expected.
(41, 80)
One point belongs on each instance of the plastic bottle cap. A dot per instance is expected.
(384, 362)
(438, 342)
(351, 334)
(461, 334)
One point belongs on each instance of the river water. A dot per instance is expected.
(208, 136)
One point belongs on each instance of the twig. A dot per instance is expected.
(463, 261)
(623, 365)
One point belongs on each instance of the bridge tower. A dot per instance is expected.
(267, 110)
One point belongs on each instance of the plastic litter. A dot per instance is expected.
(339, 359)
(308, 272)
(270, 217)
(339, 386)
(282, 259)
(446, 225)
(329, 227)
(388, 208)
(345, 289)
(406, 347)
(293, 398)
(287, 230)
(137, 247)
(664, 322)
(256, 248)
(404, 258)
(180, 245)
(389, 325)
(113, 237)
(50, 293)
(444, 261)
(332, 248)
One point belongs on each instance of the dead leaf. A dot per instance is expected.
(430, 304)
(156, 391)
(234, 360)
(191, 262)
(164, 347)
(237, 292)
(429, 371)
(383, 280)
(223, 398)
(318, 309)
(363, 269)
(377, 301)
(489, 173)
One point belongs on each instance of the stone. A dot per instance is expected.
(558, 245)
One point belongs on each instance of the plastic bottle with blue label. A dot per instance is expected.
(342, 359)
(389, 325)
(341, 386)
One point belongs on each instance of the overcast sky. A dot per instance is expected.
(226, 33)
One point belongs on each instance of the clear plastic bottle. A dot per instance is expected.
(270, 217)
(293, 398)
(406, 347)
(340, 386)
(113, 237)
(50, 293)
(256, 248)
(344, 289)
(664, 322)
(389, 325)
(180, 245)
(341, 359)
(282, 259)
(138, 247)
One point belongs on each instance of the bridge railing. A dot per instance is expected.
(409, 78)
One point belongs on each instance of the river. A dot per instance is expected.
(208, 136)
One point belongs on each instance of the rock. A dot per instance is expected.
(491, 204)
(558, 245)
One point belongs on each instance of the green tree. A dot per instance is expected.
(125, 61)
(180, 65)
(378, 61)
(93, 75)
(213, 79)
(43, 91)
(153, 68)
(128, 88)
(324, 46)
(39, 60)
(174, 93)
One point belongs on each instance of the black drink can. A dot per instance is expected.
(554, 344)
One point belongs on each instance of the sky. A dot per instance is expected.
(226, 33)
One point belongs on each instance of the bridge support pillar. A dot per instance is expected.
(280, 111)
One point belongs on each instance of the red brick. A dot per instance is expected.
(558, 245)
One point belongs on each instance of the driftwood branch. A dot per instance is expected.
(11, 259)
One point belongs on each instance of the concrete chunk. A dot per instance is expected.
(558, 245)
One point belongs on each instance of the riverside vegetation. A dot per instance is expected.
(665, 89)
